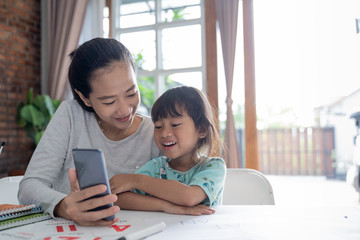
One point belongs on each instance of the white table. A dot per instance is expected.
(242, 222)
(260, 222)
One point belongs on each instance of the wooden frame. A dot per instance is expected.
(251, 148)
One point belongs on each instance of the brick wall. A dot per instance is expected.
(19, 70)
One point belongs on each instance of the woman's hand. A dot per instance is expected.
(75, 207)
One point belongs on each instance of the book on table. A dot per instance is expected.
(12, 215)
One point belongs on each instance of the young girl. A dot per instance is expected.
(186, 134)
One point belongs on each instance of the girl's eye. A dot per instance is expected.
(176, 124)
(109, 103)
(157, 127)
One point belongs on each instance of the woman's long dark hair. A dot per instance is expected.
(90, 56)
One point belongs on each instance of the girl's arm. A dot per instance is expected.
(136, 201)
(171, 191)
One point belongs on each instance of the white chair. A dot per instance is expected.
(247, 187)
(9, 187)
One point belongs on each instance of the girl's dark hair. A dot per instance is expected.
(91, 56)
(197, 106)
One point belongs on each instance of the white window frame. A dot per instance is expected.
(159, 72)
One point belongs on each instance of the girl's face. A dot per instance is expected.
(115, 95)
(177, 137)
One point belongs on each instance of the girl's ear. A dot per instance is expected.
(202, 133)
(83, 98)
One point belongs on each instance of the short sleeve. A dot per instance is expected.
(152, 168)
(147, 168)
(211, 178)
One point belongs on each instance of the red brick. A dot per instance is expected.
(7, 29)
(3, 35)
(18, 12)
(20, 41)
(23, 6)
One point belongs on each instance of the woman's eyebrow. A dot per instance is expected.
(112, 96)
(131, 88)
(105, 97)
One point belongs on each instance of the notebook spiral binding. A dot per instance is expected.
(18, 215)
(21, 213)
(24, 220)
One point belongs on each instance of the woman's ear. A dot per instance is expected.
(83, 98)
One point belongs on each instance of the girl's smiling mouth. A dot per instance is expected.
(169, 145)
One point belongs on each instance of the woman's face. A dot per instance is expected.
(115, 95)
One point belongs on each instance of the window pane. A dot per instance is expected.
(142, 46)
(182, 47)
(146, 86)
(173, 10)
(193, 79)
(136, 13)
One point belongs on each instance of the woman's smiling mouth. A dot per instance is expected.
(124, 119)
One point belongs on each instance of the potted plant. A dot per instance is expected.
(35, 114)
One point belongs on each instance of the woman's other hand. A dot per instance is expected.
(120, 183)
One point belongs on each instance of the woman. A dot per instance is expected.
(103, 115)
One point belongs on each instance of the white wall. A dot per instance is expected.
(345, 129)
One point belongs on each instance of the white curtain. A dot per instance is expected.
(227, 16)
(64, 23)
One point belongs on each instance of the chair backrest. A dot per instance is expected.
(9, 187)
(247, 187)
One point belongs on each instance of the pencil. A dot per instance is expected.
(2, 146)
(144, 232)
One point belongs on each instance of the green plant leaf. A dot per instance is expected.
(40, 104)
(29, 96)
(38, 136)
(56, 103)
(178, 14)
(32, 115)
(20, 120)
(31, 131)
(49, 105)
(36, 114)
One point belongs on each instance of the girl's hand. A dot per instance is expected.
(75, 207)
(122, 183)
(195, 210)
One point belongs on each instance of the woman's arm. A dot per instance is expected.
(46, 165)
(171, 191)
(136, 201)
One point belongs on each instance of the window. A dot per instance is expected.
(307, 85)
(167, 40)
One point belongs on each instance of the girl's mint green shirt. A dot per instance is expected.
(210, 176)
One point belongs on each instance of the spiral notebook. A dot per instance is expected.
(18, 215)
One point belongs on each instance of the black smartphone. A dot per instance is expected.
(91, 171)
